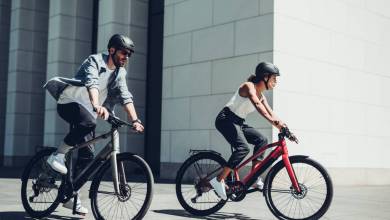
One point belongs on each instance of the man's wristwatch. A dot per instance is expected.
(136, 120)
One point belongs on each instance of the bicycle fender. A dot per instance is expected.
(281, 163)
(298, 156)
(195, 152)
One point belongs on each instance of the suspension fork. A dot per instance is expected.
(289, 168)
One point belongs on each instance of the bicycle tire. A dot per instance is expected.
(320, 175)
(143, 167)
(179, 183)
(39, 157)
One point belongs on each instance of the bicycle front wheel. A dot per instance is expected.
(316, 190)
(135, 186)
(193, 189)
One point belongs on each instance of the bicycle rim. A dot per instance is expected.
(136, 191)
(312, 203)
(40, 187)
(192, 185)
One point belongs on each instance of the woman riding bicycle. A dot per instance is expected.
(231, 120)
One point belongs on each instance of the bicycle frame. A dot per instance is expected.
(108, 152)
(280, 150)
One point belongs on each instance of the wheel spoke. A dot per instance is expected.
(311, 201)
(41, 185)
(133, 198)
(193, 189)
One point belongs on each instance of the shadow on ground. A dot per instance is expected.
(23, 215)
(215, 216)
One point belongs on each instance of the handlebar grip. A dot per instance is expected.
(113, 119)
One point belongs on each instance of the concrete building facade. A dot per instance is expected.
(333, 86)
(191, 56)
(52, 38)
(25, 101)
(210, 48)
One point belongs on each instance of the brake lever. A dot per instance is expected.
(293, 138)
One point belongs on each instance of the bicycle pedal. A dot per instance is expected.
(79, 213)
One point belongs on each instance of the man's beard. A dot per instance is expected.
(117, 62)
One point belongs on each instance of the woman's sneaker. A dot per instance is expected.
(57, 162)
(80, 210)
(259, 183)
(219, 188)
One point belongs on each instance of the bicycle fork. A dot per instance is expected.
(114, 166)
(290, 169)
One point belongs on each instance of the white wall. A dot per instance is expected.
(335, 82)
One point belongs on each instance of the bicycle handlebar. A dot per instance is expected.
(285, 132)
(115, 121)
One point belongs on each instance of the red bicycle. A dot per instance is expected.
(296, 187)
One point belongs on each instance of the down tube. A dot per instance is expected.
(262, 169)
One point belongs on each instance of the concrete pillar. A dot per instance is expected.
(69, 43)
(129, 17)
(5, 13)
(26, 74)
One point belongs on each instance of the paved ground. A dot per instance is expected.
(357, 203)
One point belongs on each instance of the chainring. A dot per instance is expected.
(236, 191)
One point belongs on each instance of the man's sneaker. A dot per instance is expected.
(57, 162)
(219, 188)
(80, 210)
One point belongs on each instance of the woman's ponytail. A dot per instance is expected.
(252, 78)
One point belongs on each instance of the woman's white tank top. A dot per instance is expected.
(240, 106)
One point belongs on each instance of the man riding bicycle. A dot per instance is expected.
(99, 84)
(230, 122)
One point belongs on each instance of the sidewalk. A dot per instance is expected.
(349, 203)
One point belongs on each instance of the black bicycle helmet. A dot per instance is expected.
(265, 69)
(119, 41)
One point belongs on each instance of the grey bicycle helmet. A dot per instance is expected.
(119, 41)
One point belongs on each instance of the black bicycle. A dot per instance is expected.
(121, 188)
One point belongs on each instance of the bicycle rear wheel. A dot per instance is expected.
(40, 186)
(135, 186)
(193, 189)
(316, 185)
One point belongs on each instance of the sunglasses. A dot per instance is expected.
(126, 52)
